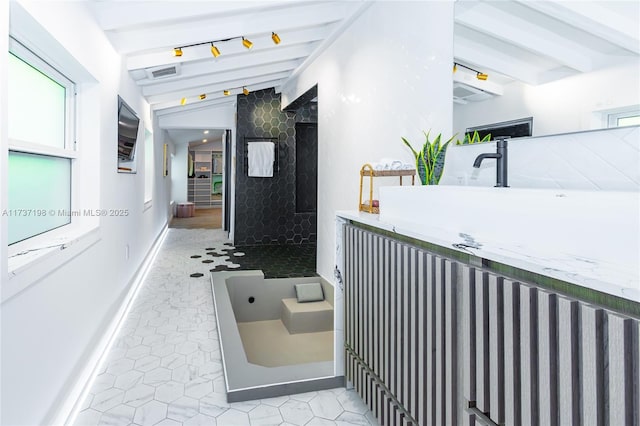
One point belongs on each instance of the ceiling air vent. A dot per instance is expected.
(163, 72)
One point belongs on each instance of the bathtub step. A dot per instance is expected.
(307, 317)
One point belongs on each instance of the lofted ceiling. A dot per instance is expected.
(146, 33)
(517, 40)
(536, 42)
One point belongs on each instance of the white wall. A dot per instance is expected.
(179, 165)
(387, 76)
(50, 329)
(567, 105)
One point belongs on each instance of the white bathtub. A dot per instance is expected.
(232, 292)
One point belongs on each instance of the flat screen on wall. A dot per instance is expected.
(128, 123)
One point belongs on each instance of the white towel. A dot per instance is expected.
(261, 156)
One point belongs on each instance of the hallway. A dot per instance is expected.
(165, 365)
(203, 218)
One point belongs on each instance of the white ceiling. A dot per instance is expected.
(529, 41)
(146, 32)
(536, 42)
(195, 135)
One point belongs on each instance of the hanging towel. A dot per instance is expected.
(261, 156)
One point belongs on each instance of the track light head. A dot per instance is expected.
(177, 51)
(482, 76)
(183, 101)
(245, 91)
(276, 38)
(203, 96)
(215, 51)
(246, 43)
(227, 92)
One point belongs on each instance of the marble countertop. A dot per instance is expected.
(618, 277)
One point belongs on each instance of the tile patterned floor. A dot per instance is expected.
(165, 368)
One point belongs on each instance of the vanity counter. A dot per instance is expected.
(568, 240)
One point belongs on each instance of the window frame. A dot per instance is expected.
(613, 117)
(69, 151)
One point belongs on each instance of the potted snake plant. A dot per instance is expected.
(430, 159)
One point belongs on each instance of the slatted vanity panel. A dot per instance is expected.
(400, 330)
(535, 357)
(432, 341)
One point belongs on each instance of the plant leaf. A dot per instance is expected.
(406, 142)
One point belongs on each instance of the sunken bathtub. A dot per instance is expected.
(271, 344)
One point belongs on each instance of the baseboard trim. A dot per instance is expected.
(67, 409)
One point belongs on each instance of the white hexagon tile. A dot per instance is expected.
(165, 367)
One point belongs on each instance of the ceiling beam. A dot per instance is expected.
(215, 100)
(214, 103)
(217, 88)
(595, 19)
(493, 21)
(290, 41)
(114, 15)
(175, 35)
(324, 45)
(181, 83)
(479, 54)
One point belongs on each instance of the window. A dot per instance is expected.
(41, 145)
(624, 118)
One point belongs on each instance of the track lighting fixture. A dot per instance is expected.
(215, 51)
(203, 96)
(479, 75)
(183, 101)
(227, 92)
(177, 51)
(245, 91)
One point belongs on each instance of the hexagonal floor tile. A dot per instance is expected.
(183, 409)
(169, 392)
(326, 405)
(198, 388)
(296, 412)
(150, 413)
(265, 415)
(233, 417)
(107, 399)
(119, 415)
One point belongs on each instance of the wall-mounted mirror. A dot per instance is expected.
(571, 66)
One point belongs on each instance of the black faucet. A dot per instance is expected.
(501, 157)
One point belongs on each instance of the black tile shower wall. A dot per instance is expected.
(306, 167)
(307, 113)
(265, 208)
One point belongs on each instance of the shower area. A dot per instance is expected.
(278, 209)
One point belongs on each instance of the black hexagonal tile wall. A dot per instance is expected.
(266, 207)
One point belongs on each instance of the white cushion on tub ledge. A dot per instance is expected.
(311, 292)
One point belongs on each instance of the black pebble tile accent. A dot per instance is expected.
(279, 261)
(196, 275)
(195, 256)
(275, 261)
